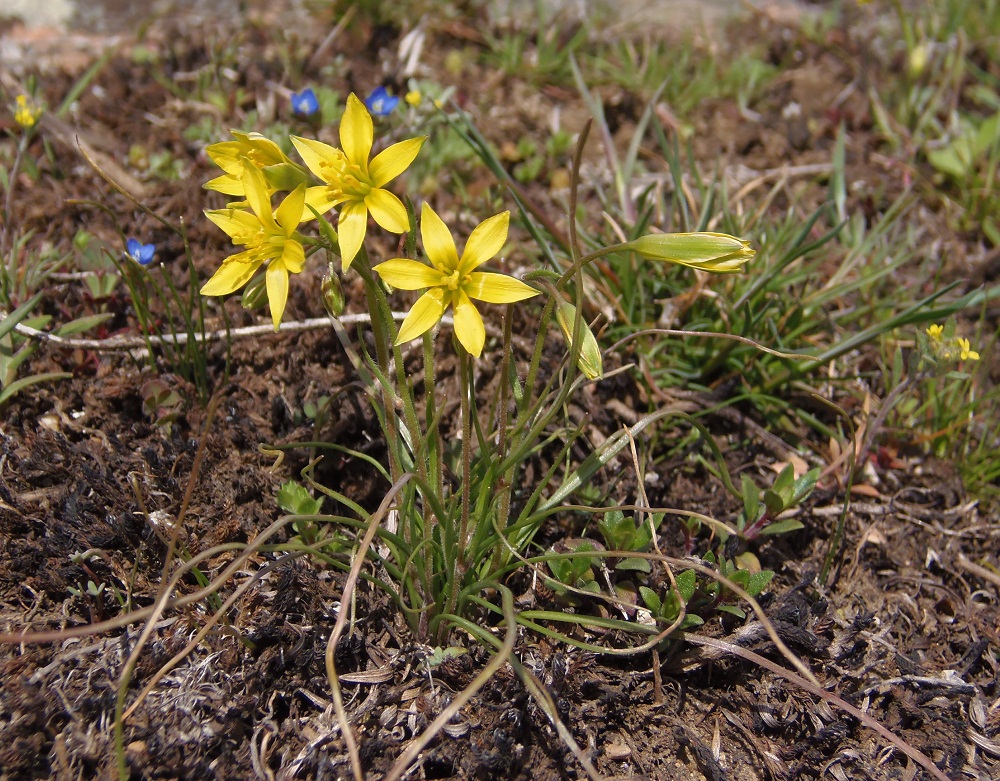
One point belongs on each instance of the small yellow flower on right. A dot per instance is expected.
(966, 353)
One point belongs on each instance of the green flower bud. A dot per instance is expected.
(716, 252)
(285, 176)
(591, 362)
(255, 293)
(332, 293)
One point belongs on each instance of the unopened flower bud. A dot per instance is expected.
(255, 293)
(716, 252)
(591, 362)
(332, 293)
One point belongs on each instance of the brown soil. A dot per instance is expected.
(904, 630)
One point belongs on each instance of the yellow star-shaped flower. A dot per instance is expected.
(267, 236)
(354, 183)
(454, 281)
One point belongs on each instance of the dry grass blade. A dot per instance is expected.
(182, 654)
(814, 688)
(338, 628)
(412, 752)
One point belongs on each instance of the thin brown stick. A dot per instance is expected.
(120, 343)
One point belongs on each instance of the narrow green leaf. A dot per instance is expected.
(82, 324)
(15, 317)
(34, 379)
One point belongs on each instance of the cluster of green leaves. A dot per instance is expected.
(762, 508)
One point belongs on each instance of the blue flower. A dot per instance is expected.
(381, 103)
(139, 252)
(305, 103)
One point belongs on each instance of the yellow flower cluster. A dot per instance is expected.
(949, 348)
(26, 111)
(254, 168)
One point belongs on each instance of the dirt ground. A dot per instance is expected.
(906, 629)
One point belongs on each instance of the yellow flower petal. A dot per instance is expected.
(439, 246)
(233, 274)
(484, 242)
(320, 199)
(387, 210)
(356, 132)
(351, 230)
(315, 154)
(496, 288)
(290, 212)
(424, 315)
(239, 225)
(226, 184)
(226, 155)
(409, 274)
(391, 162)
(257, 195)
(293, 257)
(277, 291)
(469, 326)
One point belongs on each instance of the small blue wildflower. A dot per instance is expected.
(381, 103)
(305, 103)
(139, 252)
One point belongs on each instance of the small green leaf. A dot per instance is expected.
(651, 599)
(804, 486)
(636, 565)
(295, 499)
(758, 581)
(686, 583)
(773, 502)
(732, 610)
(15, 317)
(783, 527)
(784, 482)
(34, 379)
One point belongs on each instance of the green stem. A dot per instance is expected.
(464, 361)
(382, 351)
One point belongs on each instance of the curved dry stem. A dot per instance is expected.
(143, 614)
(412, 752)
(544, 699)
(814, 688)
(180, 656)
(714, 334)
(338, 628)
